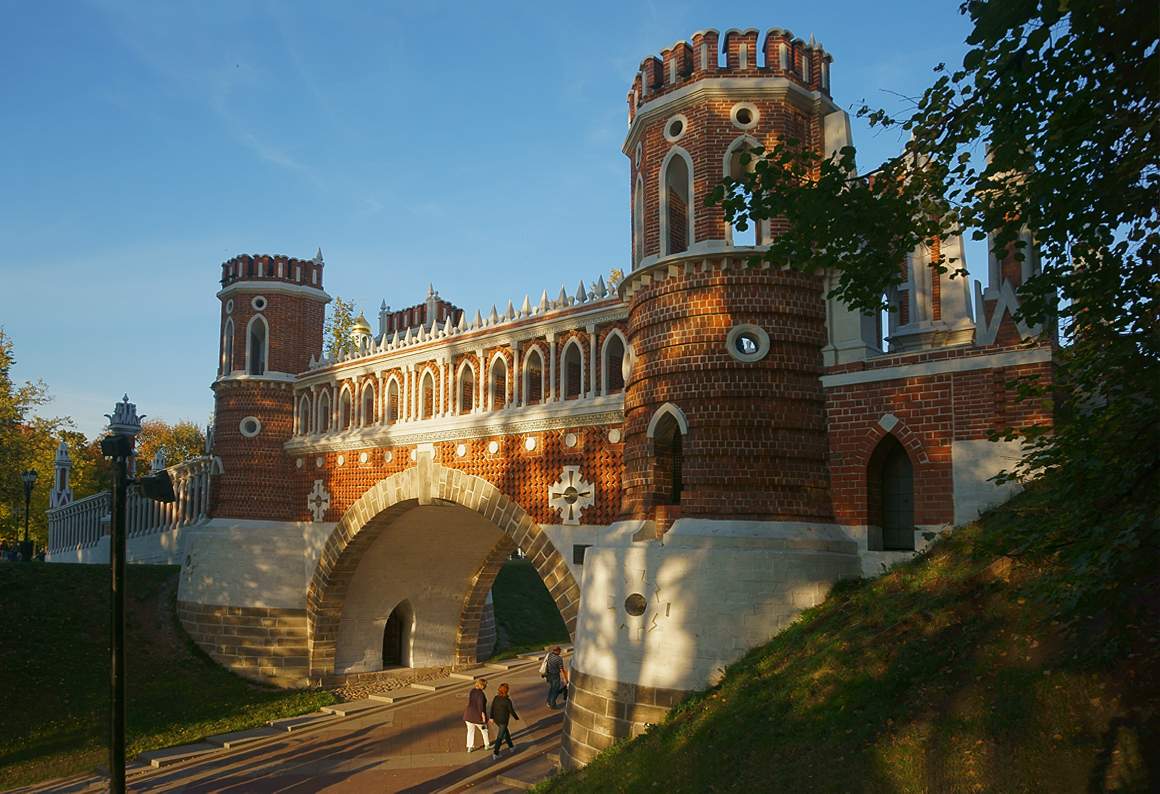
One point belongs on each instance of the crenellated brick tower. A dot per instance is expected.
(272, 311)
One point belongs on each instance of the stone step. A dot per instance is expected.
(175, 755)
(395, 695)
(303, 721)
(230, 741)
(438, 685)
(352, 707)
(507, 664)
(528, 774)
(475, 673)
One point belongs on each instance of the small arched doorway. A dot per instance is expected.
(890, 494)
(668, 454)
(397, 636)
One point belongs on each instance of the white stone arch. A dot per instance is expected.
(469, 364)
(323, 419)
(345, 403)
(663, 192)
(638, 222)
(392, 380)
(668, 409)
(227, 365)
(304, 423)
(615, 333)
(368, 390)
(253, 363)
(727, 169)
(499, 357)
(563, 370)
(524, 375)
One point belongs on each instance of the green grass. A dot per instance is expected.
(526, 617)
(54, 664)
(945, 675)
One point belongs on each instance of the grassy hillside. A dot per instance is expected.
(526, 618)
(54, 664)
(949, 674)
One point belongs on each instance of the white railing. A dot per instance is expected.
(82, 523)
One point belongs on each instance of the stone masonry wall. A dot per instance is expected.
(262, 644)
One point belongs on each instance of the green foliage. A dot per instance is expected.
(181, 441)
(26, 442)
(336, 332)
(57, 672)
(526, 617)
(1065, 96)
(945, 675)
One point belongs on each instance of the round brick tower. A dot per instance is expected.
(724, 412)
(726, 529)
(272, 310)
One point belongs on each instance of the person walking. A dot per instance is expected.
(502, 712)
(475, 715)
(556, 675)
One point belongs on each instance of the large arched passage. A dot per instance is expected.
(476, 513)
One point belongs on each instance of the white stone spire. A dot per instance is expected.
(61, 493)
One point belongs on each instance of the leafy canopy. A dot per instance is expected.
(1064, 97)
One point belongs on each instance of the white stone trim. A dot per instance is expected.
(242, 426)
(274, 288)
(227, 349)
(965, 364)
(671, 409)
(278, 377)
(397, 381)
(466, 363)
(541, 354)
(491, 366)
(323, 394)
(345, 391)
(563, 371)
(254, 303)
(303, 413)
(363, 420)
(754, 330)
(754, 112)
(673, 138)
(727, 170)
(663, 193)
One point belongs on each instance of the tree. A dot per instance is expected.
(26, 442)
(181, 441)
(337, 331)
(1066, 98)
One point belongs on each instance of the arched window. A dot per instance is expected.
(367, 415)
(676, 206)
(890, 495)
(533, 378)
(497, 385)
(391, 409)
(227, 349)
(344, 413)
(304, 415)
(258, 346)
(612, 365)
(323, 423)
(397, 636)
(638, 222)
(572, 371)
(733, 167)
(668, 454)
(427, 396)
(466, 393)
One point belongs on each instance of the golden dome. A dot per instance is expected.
(361, 326)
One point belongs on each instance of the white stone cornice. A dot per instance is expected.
(608, 410)
(1010, 358)
(242, 377)
(710, 87)
(273, 288)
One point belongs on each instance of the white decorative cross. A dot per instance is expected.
(571, 494)
(318, 500)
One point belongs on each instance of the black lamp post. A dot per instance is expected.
(28, 477)
(124, 424)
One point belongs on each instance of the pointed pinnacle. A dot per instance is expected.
(478, 320)
(562, 298)
(545, 304)
(601, 289)
(581, 293)
(510, 314)
(525, 307)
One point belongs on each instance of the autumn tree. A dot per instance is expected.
(336, 334)
(181, 442)
(1064, 97)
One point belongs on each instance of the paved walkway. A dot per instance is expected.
(413, 747)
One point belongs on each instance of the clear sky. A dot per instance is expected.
(472, 145)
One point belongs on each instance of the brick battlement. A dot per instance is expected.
(279, 267)
(780, 55)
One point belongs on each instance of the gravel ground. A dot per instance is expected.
(387, 680)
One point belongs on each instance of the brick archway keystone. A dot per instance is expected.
(423, 484)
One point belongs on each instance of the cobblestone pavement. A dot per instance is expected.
(414, 747)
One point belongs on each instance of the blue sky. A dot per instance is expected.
(472, 145)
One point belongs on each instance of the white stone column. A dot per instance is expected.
(591, 360)
(480, 383)
(515, 375)
(551, 395)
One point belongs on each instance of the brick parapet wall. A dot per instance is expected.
(756, 446)
(261, 644)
